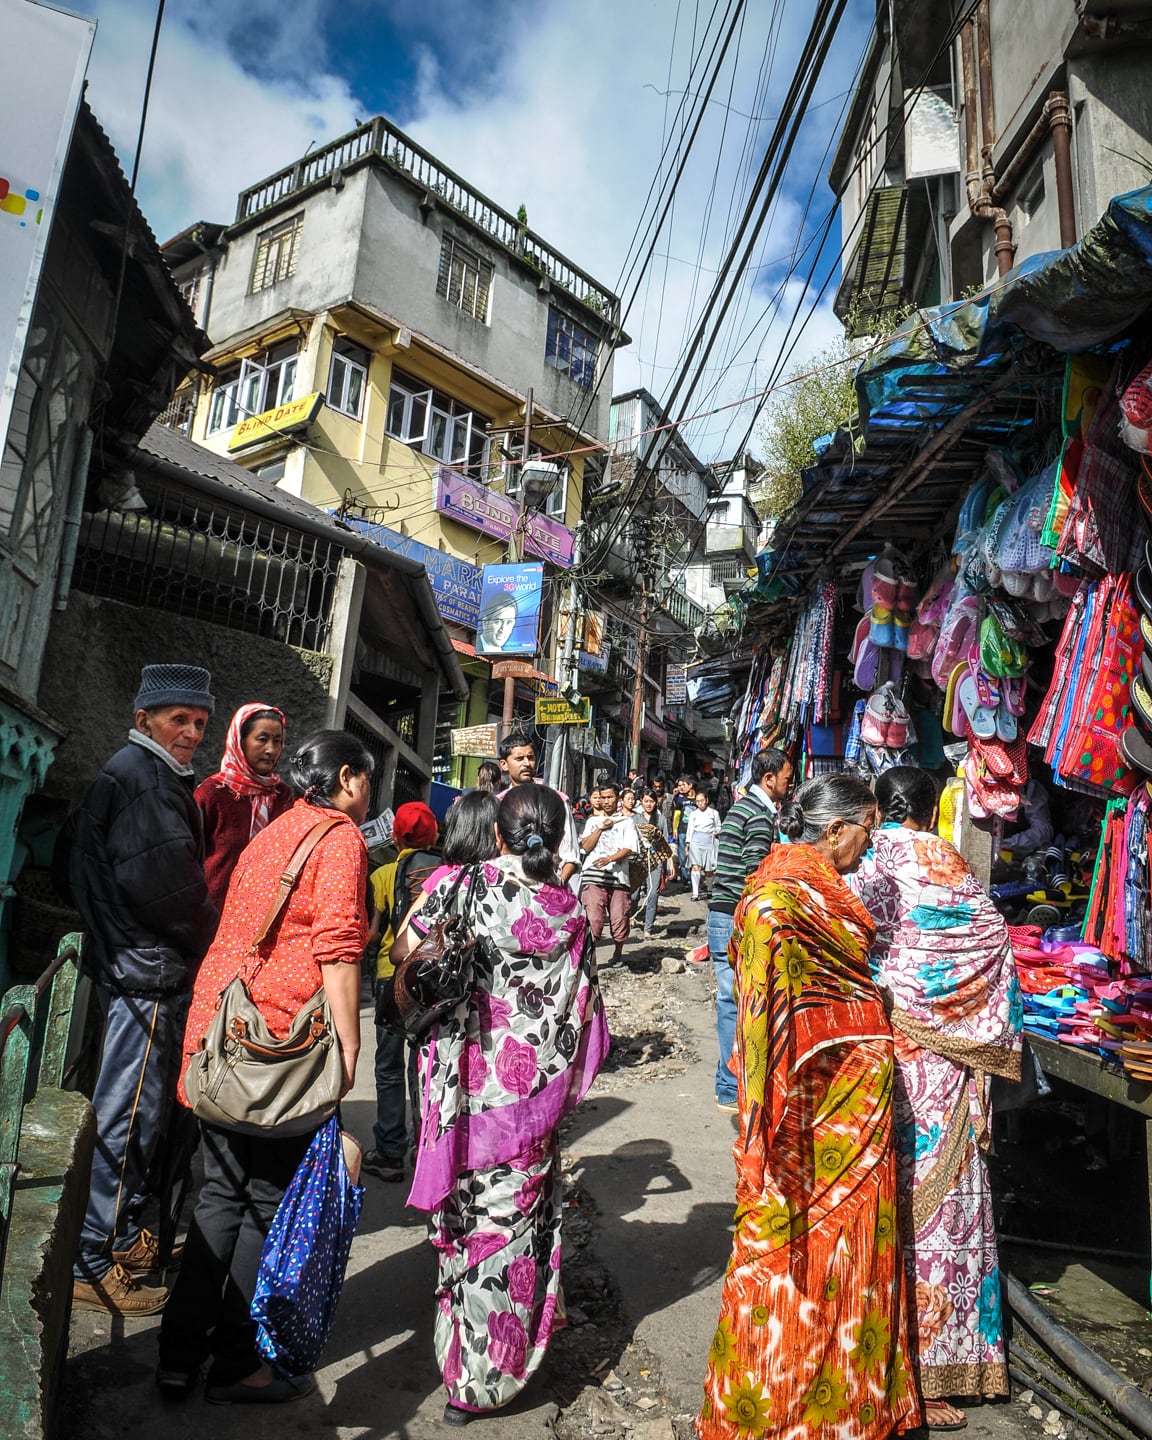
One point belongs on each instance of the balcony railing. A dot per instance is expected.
(384, 141)
(683, 609)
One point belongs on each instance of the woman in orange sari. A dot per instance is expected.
(813, 1323)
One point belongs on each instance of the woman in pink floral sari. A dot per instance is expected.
(498, 1076)
(942, 958)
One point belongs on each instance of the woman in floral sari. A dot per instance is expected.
(942, 957)
(812, 1339)
(499, 1075)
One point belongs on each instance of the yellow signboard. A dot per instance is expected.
(280, 421)
(553, 711)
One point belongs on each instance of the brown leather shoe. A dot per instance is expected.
(145, 1254)
(118, 1292)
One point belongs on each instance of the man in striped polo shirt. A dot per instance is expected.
(748, 833)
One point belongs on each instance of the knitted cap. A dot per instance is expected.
(414, 827)
(162, 685)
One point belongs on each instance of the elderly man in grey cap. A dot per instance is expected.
(137, 875)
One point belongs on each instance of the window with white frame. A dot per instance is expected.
(262, 382)
(276, 251)
(434, 423)
(571, 349)
(556, 504)
(465, 278)
(348, 378)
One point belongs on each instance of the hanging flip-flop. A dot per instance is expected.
(1007, 726)
(981, 720)
(1136, 750)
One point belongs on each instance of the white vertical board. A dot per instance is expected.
(45, 54)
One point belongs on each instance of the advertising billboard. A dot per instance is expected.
(511, 597)
(45, 56)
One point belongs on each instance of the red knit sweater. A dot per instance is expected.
(227, 829)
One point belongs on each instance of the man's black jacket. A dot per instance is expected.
(137, 875)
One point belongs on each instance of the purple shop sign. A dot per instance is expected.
(493, 514)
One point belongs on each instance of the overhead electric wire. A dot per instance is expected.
(768, 180)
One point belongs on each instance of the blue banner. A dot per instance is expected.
(455, 583)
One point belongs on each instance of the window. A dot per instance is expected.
(556, 504)
(276, 253)
(261, 383)
(433, 422)
(179, 412)
(464, 279)
(348, 378)
(571, 348)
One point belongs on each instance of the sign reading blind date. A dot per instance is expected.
(477, 740)
(510, 600)
(559, 711)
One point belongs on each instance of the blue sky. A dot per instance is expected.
(557, 106)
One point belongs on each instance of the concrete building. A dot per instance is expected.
(381, 331)
(721, 564)
(959, 160)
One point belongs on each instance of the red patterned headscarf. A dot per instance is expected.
(239, 776)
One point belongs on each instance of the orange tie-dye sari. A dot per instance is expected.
(812, 1337)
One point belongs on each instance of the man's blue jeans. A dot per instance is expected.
(719, 933)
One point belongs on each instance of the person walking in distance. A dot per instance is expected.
(518, 762)
(609, 841)
(703, 827)
(747, 835)
(137, 878)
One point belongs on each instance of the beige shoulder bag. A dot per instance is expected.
(242, 1078)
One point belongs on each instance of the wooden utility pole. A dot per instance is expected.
(641, 662)
(514, 546)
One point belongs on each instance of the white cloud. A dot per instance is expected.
(555, 107)
(214, 126)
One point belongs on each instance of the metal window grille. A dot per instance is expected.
(276, 254)
(733, 569)
(187, 556)
(464, 280)
(178, 413)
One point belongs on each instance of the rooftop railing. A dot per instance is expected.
(384, 141)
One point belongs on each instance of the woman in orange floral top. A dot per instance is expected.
(812, 1337)
(319, 941)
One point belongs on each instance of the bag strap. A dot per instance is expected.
(292, 873)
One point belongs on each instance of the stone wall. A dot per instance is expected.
(92, 670)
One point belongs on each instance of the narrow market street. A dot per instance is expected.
(647, 1225)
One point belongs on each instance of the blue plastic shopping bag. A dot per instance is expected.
(305, 1255)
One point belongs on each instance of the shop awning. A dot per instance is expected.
(950, 383)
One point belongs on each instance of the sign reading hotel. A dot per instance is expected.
(471, 504)
(271, 423)
(45, 55)
(476, 740)
(563, 712)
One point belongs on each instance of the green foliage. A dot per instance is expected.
(800, 412)
(522, 216)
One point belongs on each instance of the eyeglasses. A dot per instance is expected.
(869, 830)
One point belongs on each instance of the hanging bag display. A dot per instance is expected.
(436, 974)
(243, 1078)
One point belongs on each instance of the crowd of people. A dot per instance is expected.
(865, 996)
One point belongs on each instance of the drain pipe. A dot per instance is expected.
(1121, 1393)
(975, 63)
(1059, 114)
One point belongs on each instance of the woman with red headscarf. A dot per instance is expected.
(244, 795)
